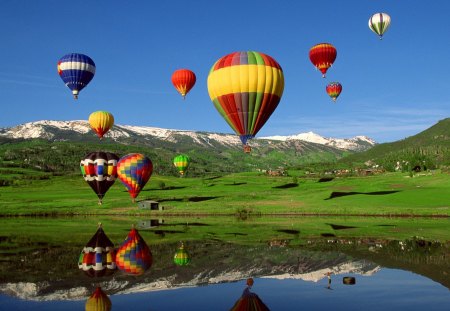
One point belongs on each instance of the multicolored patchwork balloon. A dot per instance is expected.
(183, 80)
(134, 255)
(246, 88)
(134, 170)
(98, 301)
(76, 71)
(98, 257)
(322, 56)
(379, 23)
(181, 257)
(99, 170)
(101, 122)
(334, 89)
(181, 162)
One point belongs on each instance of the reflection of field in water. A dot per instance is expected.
(41, 254)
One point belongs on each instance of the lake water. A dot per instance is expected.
(293, 267)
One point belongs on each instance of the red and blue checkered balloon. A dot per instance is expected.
(134, 255)
(134, 170)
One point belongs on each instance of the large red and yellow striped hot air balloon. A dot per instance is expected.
(322, 56)
(183, 80)
(246, 88)
(101, 122)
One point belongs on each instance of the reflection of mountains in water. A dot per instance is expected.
(211, 263)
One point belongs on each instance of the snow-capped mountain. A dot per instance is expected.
(41, 291)
(356, 143)
(80, 129)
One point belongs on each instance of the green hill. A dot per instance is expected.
(426, 150)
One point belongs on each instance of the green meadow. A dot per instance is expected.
(241, 194)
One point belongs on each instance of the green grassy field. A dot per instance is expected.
(243, 194)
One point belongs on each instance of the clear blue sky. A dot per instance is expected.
(392, 88)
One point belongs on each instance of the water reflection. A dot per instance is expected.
(288, 268)
(249, 301)
(98, 257)
(98, 301)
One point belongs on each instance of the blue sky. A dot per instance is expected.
(392, 88)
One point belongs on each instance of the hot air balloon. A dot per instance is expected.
(246, 88)
(98, 257)
(181, 162)
(249, 301)
(379, 23)
(322, 56)
(183, 80)
(99, 169)
(334, 89)
(76, 70)
(101, 122)
(98, 301)
(181, 257)
(134, 170)
(134, 255)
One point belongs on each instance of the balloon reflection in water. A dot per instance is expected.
(348, 280)
(98, 256)
(98, 301)
(134, 256)
(249, 301)
(181, 257)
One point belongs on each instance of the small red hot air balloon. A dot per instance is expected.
(334, 89)
(183, 80)
(322, 56)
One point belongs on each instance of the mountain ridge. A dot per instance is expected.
(54, 130)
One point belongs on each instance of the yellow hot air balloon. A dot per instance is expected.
(246, 88)
(98, 301)
(101, 122)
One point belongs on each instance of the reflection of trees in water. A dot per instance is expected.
(56, 268)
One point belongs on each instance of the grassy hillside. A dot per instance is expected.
(242, 194)
(428, 149)
(64, 157)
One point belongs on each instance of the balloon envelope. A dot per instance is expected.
(249, 302)
(134, 255)
(76, 71)
(181, 162)
(181, 257)
(322, 56)
(98, 257)
(246, 88)
(379, 23)
(334, 89)
(134, 170)
(98, 301)
(99, 170)
(101, 122)
(183, 80)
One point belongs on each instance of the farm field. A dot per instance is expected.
(242, 194)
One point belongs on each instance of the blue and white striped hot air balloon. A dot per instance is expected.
(76, 70)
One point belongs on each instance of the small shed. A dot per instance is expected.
(149, 204)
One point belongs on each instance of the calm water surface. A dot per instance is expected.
(290, 267)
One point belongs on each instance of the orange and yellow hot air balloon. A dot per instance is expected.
(183, 80)
(322, 56)
(334, 89)
(101, 122)
(246, 88)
